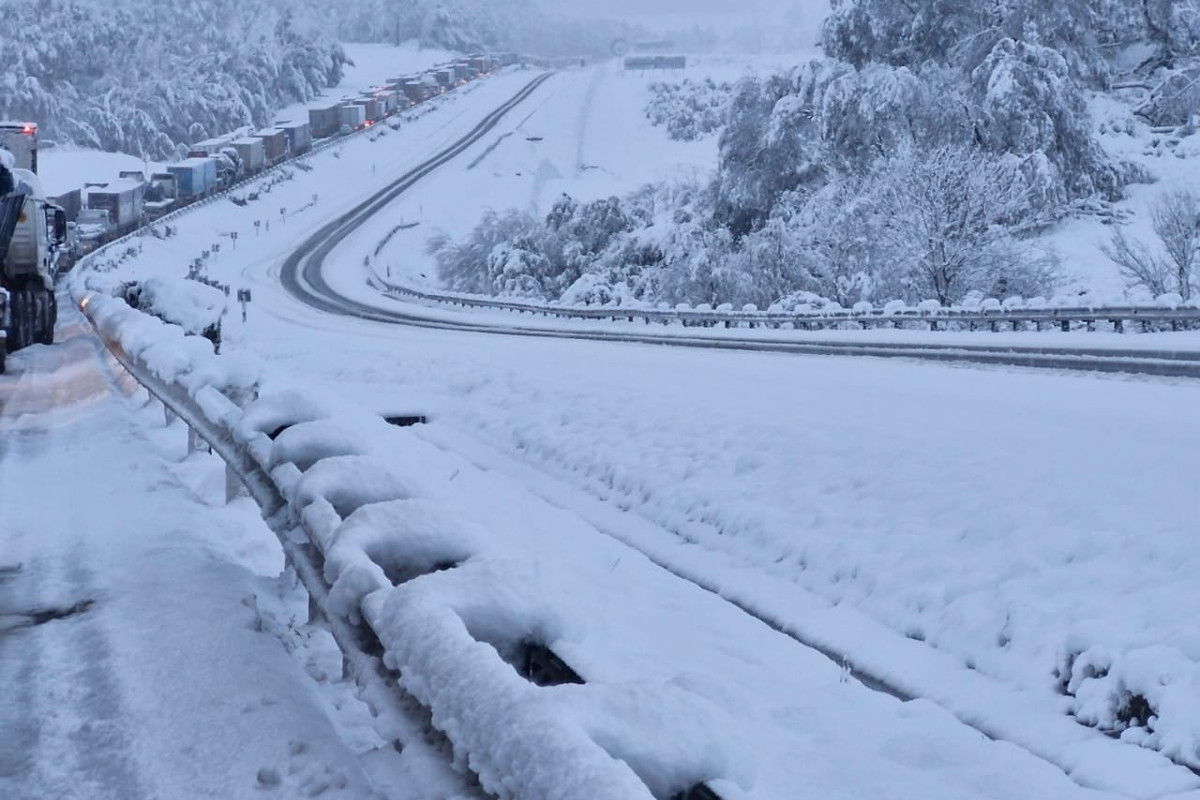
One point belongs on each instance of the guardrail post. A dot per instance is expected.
(933, 325)
(234, 488)
(1118, 325)
(195, 443)
(1066, 326)
(168, 416)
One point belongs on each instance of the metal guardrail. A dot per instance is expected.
(213, 420)
(1016, 319)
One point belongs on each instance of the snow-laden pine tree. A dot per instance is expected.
(147, 78)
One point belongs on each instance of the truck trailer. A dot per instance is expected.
(352, 116)
(123, 201)
(299, 136)
(324, 120)
(162, 192)
(33, 232)
(275, 145)
(209, 147)
(371, 109)
(21, 139)
(195, 177)
(252, 152)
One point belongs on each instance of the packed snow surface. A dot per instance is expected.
(1003, 525)
(178, 674)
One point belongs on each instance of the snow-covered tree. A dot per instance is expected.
(946, 218)
(1174, 267)
(123, 75)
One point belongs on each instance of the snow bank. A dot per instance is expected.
(390, 543)
(1148, 695)
(169, 353)
(306, 443)
(348, 482)
(193, 306)
(519, 744)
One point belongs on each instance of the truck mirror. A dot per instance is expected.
(60, 225)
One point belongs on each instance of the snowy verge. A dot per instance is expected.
(459, 608)
(321, 467)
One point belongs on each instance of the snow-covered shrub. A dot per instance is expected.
(689, 110)
(589, 290)
(195, 307)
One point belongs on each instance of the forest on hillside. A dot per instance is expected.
(148, 78)
(144, 78)
(915, 161)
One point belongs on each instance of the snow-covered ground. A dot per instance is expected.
(958, 532)
(1171, 163)
(187, 669)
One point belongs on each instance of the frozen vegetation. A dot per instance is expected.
(921, 159)
(149, 78)
(689, 109)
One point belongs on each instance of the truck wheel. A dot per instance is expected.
(47, 312)
(33, 313)
(19, 333)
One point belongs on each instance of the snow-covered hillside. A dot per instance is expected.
(1039, 120)
(146, 78)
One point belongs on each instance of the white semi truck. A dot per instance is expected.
(33, 233)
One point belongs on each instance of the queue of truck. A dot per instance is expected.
(100, 212)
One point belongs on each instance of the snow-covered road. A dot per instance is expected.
(180, 668)
(960, 533)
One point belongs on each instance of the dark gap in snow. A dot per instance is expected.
(33, 618)
(700, 791)
(406, 420)
(403, 573)
(540, 665)
(1135, 712)
(273, 435)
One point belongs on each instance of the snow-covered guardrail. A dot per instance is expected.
(395, 577)
(995, 316)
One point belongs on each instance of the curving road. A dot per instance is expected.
(301, 273)
(302, 277)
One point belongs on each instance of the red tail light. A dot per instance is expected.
(29, 130)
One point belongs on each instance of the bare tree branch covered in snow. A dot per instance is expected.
(1172, 267)
(950, 215)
